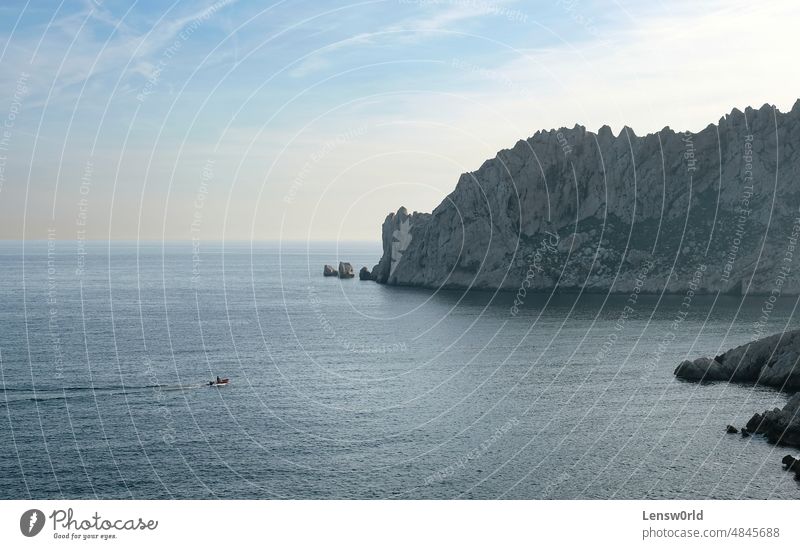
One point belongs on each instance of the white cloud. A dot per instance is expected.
(682, 69)
(431, 18)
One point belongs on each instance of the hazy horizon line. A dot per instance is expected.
(189, 240)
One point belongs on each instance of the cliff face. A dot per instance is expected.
(715, 210)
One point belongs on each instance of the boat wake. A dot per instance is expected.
(48, 394)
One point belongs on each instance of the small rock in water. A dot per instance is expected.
(346, 270)
(329, 271)
(364, 274)
(731, 430)
(745, 433)
(791, 463)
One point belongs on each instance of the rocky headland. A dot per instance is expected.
(578, 209)
(771, 361)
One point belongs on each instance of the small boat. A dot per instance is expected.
(219, 382)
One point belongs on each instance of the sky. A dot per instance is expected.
(295, 120)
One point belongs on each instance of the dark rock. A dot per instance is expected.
(754, 423)
(346, 270)
(769, 361)
(791, 463)
(702, 369)
(329, 271)
(745, 433)
(779, 426)
(731, 430)
(364, 274)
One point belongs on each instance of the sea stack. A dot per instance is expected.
(345, 270)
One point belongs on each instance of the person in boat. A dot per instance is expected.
(218, 380)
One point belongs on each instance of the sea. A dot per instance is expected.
(347, 389)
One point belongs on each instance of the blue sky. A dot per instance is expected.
(239, 120)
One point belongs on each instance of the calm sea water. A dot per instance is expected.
(349, 389)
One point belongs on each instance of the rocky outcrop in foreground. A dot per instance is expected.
(603, 212)
(769, 361)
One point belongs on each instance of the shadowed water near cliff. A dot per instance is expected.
(349, 389)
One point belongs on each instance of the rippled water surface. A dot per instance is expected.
(349, 389)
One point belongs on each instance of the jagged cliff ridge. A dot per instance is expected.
(570, 209)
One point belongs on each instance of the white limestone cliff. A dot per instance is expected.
(717, 209)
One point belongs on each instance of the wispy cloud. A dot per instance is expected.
(92, 42)
(320, 58)
(683, 68)
(430, 19)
